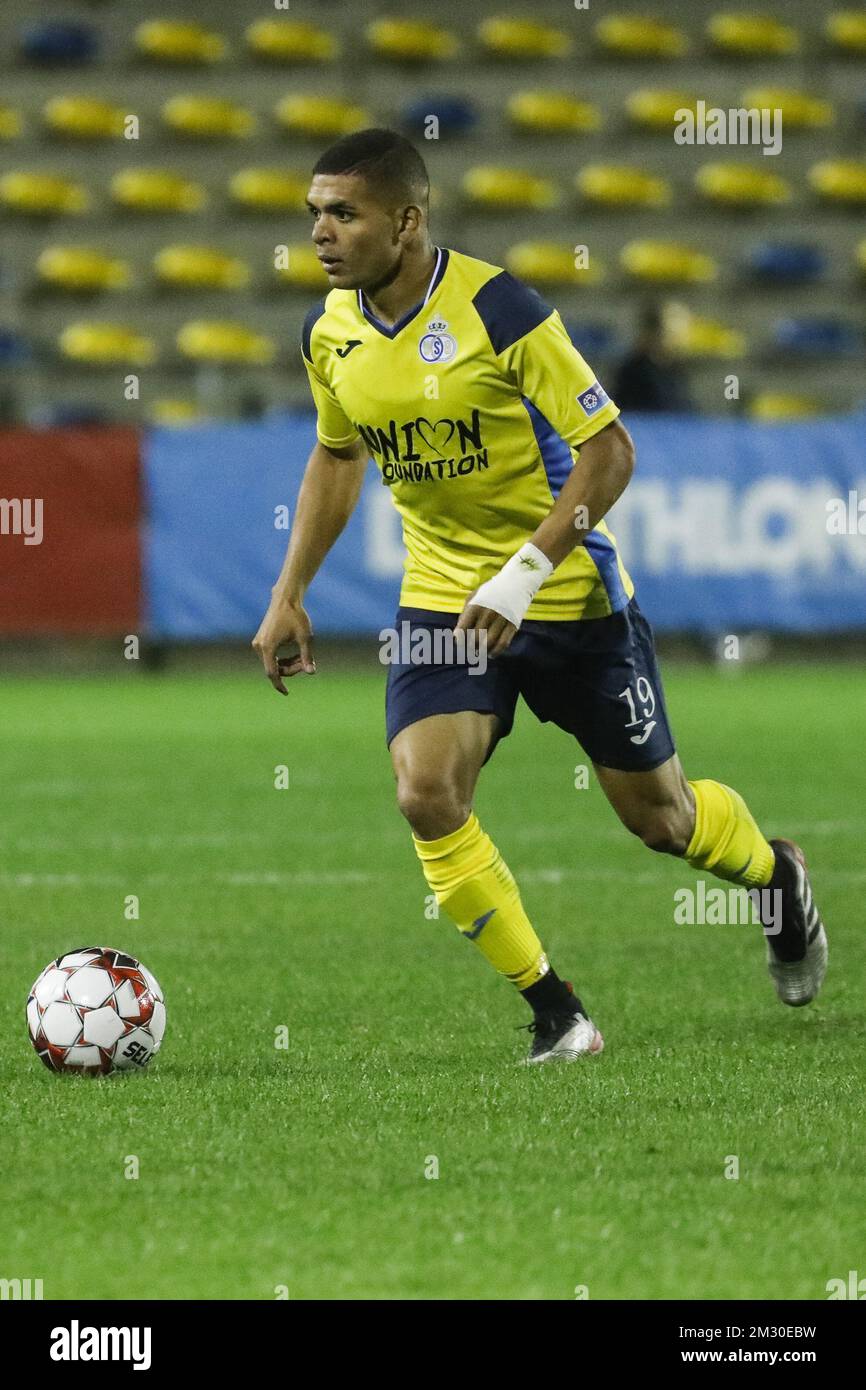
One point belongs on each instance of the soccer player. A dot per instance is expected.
(503, 454)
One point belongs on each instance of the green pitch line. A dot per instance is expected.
(304, 908)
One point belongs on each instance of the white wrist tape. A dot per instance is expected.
(511, 591)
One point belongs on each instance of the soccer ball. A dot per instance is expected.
(95, 1011)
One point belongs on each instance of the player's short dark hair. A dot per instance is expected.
(386, 160)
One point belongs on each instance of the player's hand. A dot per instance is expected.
(499, 631)
(284, 622)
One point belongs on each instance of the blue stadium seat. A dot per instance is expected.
(592, 339)
(59, 41)
(14, 347)
(456, 115)
(787, 262)
(820, 336)
(70, 416)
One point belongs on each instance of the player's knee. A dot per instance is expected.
(433, 807)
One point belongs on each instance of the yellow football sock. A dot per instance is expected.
(727, 841)
(474, 885)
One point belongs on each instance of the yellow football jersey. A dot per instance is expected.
(471, 406)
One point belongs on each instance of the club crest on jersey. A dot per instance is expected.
(593, 399)
(437, 345)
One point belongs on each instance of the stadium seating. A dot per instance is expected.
(622, 186)
(208, 117)
(83, 118)
(640, 36)
(225, 342)
(40, 194)
(492, 186)
(772, 406)
(288, 41)
(552, 127)
(786, 262)
(667, 262)
(178, 42)
(325, 117)
(414, 41)
(505, 37)
(107, 344)
(824, 337)
(200, 267)
(81, 268)
(741, 185)
(552, 113)
(269, 190)
(752, 36)
(156, 191)
(57, 41)
(551, 264)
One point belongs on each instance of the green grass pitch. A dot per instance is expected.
(261, 908)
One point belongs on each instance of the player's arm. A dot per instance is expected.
(328, 495)
(537, 354)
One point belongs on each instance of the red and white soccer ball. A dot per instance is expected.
(95, 1011)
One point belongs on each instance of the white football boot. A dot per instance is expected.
(796, 981)
(563, 1035)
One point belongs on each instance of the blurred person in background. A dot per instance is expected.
(651, 376)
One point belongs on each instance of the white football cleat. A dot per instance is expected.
(563, 1035)
(796, 981)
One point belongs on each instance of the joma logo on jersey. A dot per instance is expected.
(404, 450)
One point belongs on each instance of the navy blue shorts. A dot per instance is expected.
(596, 678)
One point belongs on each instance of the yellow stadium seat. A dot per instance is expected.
(174, 41)
(11, 124)
(752, 36)
(655, 109)
(700, 337)
(662, 262)
(271, 190)
(639, 36)
(770, 406)
(42, 194)
(411, 40)
(551, 263)
(619, 185)
(799, 110)
(291, 41)
(81, 268)
(846, 30)
(489, 185)
(741, 185)
(156, 190)
(208, 116)
(554, 113)
(860, 256)
(200, 267)
(107, 344)
(171, 411)
(304, 270)
(204, 340)
(84, 118)
(523, 38)
(839, 180)
(327, 116)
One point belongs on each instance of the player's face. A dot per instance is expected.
(357, 240)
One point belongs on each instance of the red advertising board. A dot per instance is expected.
(70, 503)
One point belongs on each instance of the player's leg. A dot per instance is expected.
(710, 826)
(436, 762)
(599, 680)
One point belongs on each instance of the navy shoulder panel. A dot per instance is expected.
(509, 310)
(309, 323)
